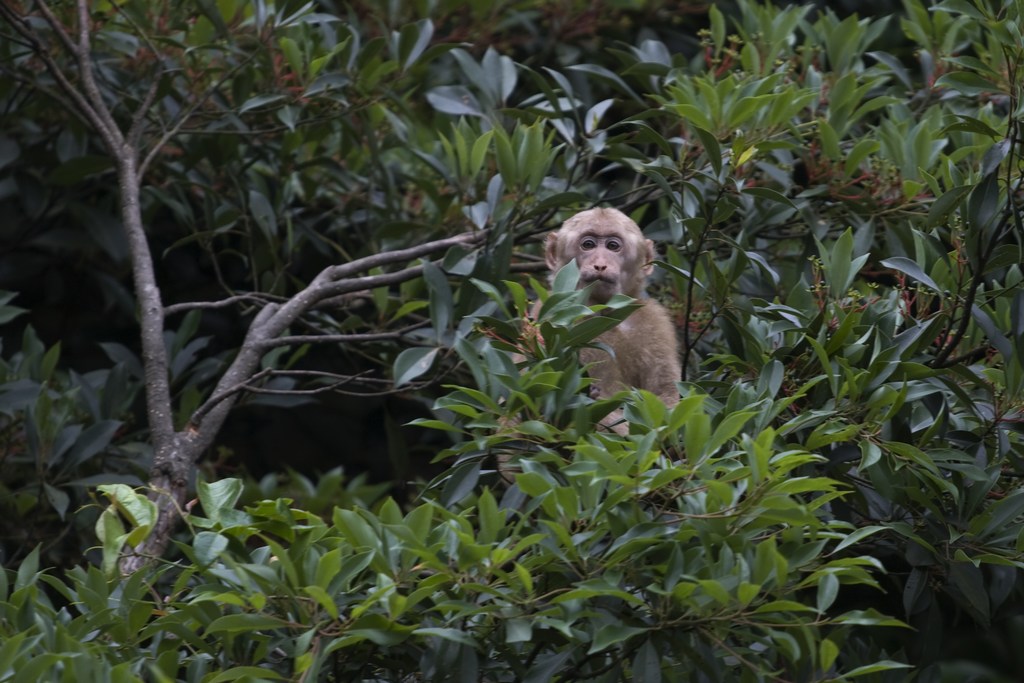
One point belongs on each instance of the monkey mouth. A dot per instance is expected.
(601, 288)
(589, 278)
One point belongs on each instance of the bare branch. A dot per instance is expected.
(356, 284)
(401, 255)
(249, 386)
(531, 267)
(183, 307)
(59, 29)
(271, 322)
(339, 381)
(258, 298)
(82, 106)
(339, 338)
(224, 394)
(139, 119)
(81, 51)
(85, 68)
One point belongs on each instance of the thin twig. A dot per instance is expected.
(339, 338)
(187, 113)
(80, 106)
(219, 303)
(197, 417)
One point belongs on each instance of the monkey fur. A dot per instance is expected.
(615, 257)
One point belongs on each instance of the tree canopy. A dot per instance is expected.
(268, 326)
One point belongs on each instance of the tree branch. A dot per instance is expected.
(219, 303)
(175, 452)
(400, 255)
(272, 321)
(249, 387)
(82, 107)
(294, 339)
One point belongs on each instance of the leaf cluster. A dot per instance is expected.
(839, 204)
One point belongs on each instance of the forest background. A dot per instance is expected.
(266, 273)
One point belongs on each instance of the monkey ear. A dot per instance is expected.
(551, 252)
(648, 253)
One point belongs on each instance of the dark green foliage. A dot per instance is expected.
(839, 204)
(614, 564)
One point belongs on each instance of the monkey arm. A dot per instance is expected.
(650, 352)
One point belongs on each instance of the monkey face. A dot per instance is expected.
(601, 259)
(609, 249)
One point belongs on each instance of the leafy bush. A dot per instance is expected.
(839, 203)
(615, 565)
(64, 433)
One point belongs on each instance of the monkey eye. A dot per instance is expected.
(613, 245)
(588, 243)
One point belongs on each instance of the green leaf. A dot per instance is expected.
(246, 674)
(28, 570)
(461, 483)
(544, 668)
(728, 429)
(566, 277)
(49, 363)
(323, 599)
(968, 578)
(220, 497)
(967, 83)
(139, 510)
(696, 436)
(452, 634)
(518, 630)
(208, 546)
(93, 439)
(884, 665)
(783, 606)
(970, 124)
(909, 267)
(76, 170)
(993, 332)
(828, 590)
(612, 634)
(712, 149)
(1001, 515)
(413, 40)
(243, 623)
(441, 302)
(769, 194)
(983, 204)
(58, 499)
(827, 653)
(293, 54)
(491, 519)
(610, 77)
(506, 158)
(857, 536)
(412, 363)
(842, 267)
(946, 203)
(110, 532)
(456, 100)
(263, 213)
(258, 102)
(868, 617)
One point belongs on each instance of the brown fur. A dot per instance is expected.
(612, 253)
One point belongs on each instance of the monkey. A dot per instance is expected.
(614, 257)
